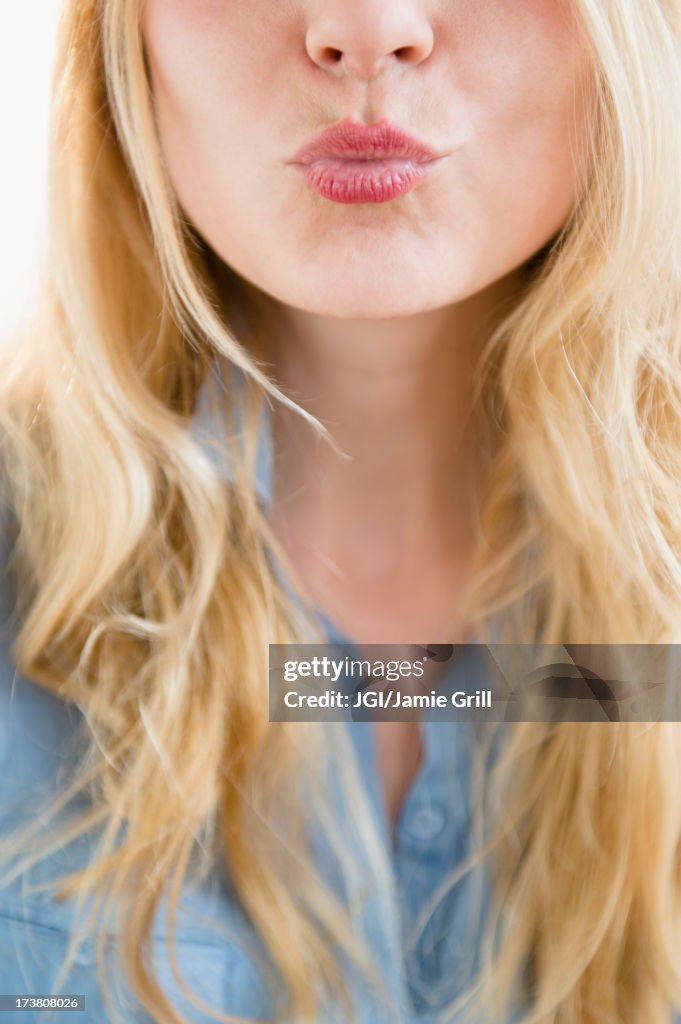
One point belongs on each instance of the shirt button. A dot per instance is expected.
(86, 955)
(426, 823)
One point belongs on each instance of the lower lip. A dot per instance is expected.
(364, 181)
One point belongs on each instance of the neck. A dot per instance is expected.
(397, 397)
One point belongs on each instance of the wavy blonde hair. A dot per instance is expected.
(146, 586)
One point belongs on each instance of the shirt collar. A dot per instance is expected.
(209, 427)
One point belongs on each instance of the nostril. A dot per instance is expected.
(406, 52)
(332, 55)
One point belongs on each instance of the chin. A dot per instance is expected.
(366, 298)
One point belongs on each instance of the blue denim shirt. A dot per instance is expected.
(425, 964)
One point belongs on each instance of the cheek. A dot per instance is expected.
(526, 73)
(196, 63)
(205, 56)
(519, 64)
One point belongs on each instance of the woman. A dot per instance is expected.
(361, 322)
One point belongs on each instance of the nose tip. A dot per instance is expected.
(352, 48)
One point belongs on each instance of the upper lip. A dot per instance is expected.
(351, 140)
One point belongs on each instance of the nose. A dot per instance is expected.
(362, 38)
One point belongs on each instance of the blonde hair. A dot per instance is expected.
(147, 588)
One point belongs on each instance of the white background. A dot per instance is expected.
(27, 42)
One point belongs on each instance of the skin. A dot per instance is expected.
(374, 313)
